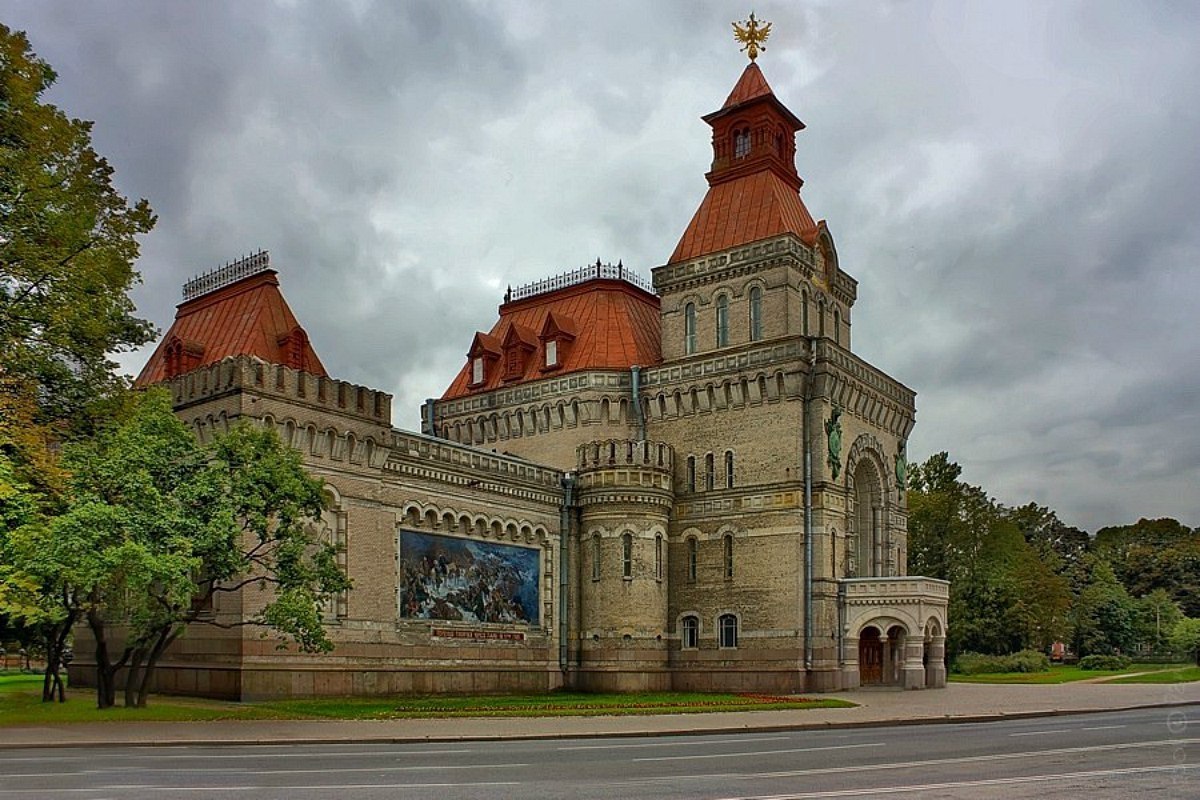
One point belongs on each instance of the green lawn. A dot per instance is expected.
(20, 704)
(1069, 673)
(1181, 673)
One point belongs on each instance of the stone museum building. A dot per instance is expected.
(689, 482)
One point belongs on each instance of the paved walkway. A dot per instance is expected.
(959, 702)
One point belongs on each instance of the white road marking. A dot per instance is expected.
(933, 787)
(763, 752)
(143, 753)
(384, 769)
(672, 744)
(1102, 728)
(1042, 733)
(315, 787)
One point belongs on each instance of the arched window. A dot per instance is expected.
(709, 472)
(693, 546)
(691, 473)
(658, 557)
(723, 321)
(689, 329)
(755, 314)
(728, 469)
(727, 628)
(596, 558)
(627, 555)
(741, 143)
(727, 555)
(689, 632)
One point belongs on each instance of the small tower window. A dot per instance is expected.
(595, 558)
(837, 326)
(689, 329)
(727, 555)
(728, 469)
(709, 472)
(722, 321)
(693, 556)
(741, 143)
(627, 555)
(658, 557)
(755, 314)
(691, 473)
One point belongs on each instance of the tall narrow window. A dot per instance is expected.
(709, 472)
(755, 314)
(727, 627)
(689, 329)
(741, 143)
(658, 557)
(476, 370)
(837, 326)
(727, 555)
(689, 638)
(595, 558)
(693, 557)
(728, 469)
(552, 353)
(691, 473)
(722, 321)
(804, 312)
(627, 555)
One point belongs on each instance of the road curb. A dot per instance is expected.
(949, 719)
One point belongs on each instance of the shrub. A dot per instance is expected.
(1105, 662)
(979, 663)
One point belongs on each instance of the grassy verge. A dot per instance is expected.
(1063, 673)
(1181, 673)
(20, 704)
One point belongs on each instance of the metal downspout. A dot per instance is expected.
(808, 526)
(564, 526)
(635, 389)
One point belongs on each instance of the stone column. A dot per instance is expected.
(877, 566)
(935, 670)
(850, 675)
(913, 674)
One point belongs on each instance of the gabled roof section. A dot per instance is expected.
(520, 336)
(484, 344)
(614, 325)
(246, 317)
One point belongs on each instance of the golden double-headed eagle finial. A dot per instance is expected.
(751, 33)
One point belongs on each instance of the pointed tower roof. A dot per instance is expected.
(754, 188)
(235, 310)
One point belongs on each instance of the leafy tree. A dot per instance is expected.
(156, 524)
(1155, 554)
(1185, 638)
(67, 245)
(1157, 615)
(1104, 615)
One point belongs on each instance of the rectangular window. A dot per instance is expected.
(595, 558)
(627, 555)
(552, 353)
(693, 557)
(476, 370)
(691, 473)
(658, 557)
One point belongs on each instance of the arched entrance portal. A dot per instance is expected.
(870, 657)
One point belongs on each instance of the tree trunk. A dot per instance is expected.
(56, 645)
(106, 669)
(165, 637)
(131, 677)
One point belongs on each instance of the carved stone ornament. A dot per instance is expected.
(833, 430)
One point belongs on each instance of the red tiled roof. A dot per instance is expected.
(249, 317)
(615, 326)
(743, 210)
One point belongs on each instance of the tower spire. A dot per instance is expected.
(751, 33)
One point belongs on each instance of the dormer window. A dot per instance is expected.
(558, 332)
(481, 359)
(519, 343)
(477, 371)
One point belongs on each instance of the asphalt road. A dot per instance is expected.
(1151, 752)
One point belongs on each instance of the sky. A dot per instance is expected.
(1015, 186)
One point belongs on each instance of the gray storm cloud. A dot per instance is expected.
(1014, 186)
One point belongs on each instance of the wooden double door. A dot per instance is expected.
(870, 657)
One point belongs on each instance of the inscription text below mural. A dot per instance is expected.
(447, 578)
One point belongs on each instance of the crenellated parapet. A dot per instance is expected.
(625, 471)
(247, 373)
